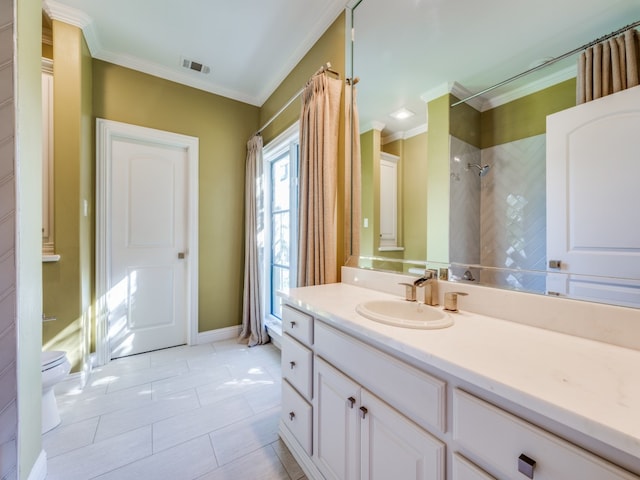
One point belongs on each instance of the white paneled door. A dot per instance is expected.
(592, 183)
(147, 242)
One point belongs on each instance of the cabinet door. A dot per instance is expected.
(393, 447)
(335, 423)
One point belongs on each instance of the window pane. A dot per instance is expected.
(280, 239)
(279, 280)
(280, 184)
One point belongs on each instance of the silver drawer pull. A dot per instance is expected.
(351, 401)
(363, 412)
(526, 465)
(293, 364)
(292, 416)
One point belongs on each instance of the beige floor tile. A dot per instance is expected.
(261, 464)
(185, 461)
(244, 437)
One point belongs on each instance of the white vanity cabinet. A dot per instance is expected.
(336, 428)
(297, 371)
(362, 435)
(353, 409)
(517, 449)
(358, 436)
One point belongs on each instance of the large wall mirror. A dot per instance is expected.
(471, 177)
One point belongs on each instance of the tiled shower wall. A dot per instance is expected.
(8, 336)
(464, 219)
(504, 212)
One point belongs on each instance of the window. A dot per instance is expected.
(281, 189)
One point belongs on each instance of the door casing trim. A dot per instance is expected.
(106, 132)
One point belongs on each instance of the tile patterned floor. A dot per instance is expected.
(206, 412)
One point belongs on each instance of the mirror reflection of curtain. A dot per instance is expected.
(609, 67)
(253, 330)
(319, 128)
(353, 211)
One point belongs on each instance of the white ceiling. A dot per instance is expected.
(406, 51)
(250, 45)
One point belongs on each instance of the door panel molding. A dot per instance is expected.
(106, 132)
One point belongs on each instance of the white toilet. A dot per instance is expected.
(55, 367)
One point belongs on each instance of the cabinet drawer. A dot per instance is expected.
(296, 365)
(417, 395)
(297, 416)
(463, 469)
(499, 438)
(297, 324)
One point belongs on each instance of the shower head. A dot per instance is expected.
(483, 170)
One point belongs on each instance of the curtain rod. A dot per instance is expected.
(549, 62)
(325, 68)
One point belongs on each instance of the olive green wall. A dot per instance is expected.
(526, 116)
(412, 206)
(27, 177)
(223, 127)
(437, 185)
(68, 284)
(47, 51)
(370, 195)
(464, 123)
(414, 181)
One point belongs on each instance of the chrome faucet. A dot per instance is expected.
(430, 283)
(411, 289)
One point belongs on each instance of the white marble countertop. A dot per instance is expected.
(589, 386)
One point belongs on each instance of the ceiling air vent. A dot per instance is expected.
(195, 66)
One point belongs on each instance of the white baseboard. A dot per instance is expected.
(39, 470)
(307, 465)
(219, 334)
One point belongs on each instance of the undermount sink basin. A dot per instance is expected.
(404, 314)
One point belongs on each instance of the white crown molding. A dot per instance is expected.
(405, 135)
(372, 125)
(47, 36)
(436, 92)
(331, 13)
(528, 89)
(453, 88)
(63, 13)
(187, 78)
(461, 92)
(486, 101)
(46, 66)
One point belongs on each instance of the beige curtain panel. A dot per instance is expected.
(253, 331)
(318, 179)
(609, 67)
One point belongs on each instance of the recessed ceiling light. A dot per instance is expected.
(402, 114)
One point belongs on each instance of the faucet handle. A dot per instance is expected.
(451, 300)
(409, 291)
